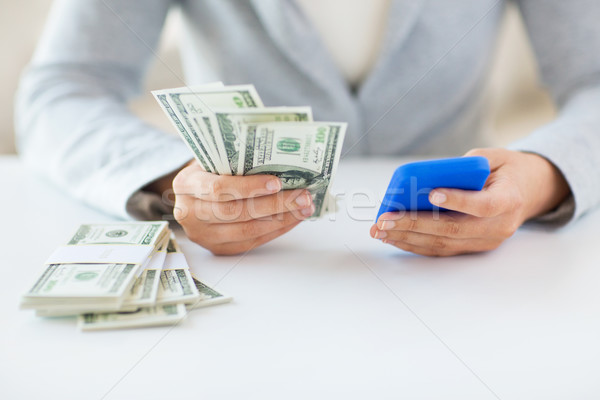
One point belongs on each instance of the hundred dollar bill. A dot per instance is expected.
(176, 283)
(208, 296)
(146, 316)
(132, 233)
(175, 119)
(230, 121)
(94, 286)
(142, 291)
(302, 155)
(64, 288)
(197, 105)
(196, 135)
(162, 98)
(145, 289)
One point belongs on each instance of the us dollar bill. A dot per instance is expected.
(230, 121)
(142, 317)
(94, 286)
(176, 283)
(65, 288)
(200, 156)
(199, 104)
(208, 296)
(196, 135)
(144, 291)
(302, 155)
(189, 108)
(177, 286)
(131, 233)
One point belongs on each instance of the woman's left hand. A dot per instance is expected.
(520, 186)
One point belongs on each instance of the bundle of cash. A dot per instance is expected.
(230, 132)
(119, 275)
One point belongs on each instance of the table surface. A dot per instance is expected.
(323, 312)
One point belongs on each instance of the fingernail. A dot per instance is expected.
(437, 197)
(274, 185)
(380, 234)
(307, 212)
(304, 200)
(387, 225)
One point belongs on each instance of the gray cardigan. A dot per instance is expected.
(423, 96)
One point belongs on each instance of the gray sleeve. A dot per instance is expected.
(566, 38)
(72, 121)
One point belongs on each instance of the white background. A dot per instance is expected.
(324, 312)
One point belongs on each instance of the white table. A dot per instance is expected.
(323, 312)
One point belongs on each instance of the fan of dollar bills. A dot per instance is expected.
(230, 132)
(119, 275)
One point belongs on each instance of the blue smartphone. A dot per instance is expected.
(411, 183)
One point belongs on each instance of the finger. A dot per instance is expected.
(442, 244)
(373, 231)
(243, 231)
(413, 249)
(299, 201)
(425, 251)
(247, 245)
(484, 203)
(450, 224)
(193, 181)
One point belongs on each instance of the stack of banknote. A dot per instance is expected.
(230, 132)
(119, 275)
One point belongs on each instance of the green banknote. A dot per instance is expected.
(132, 233)
(302, 155)
(142, 317)
(190, 111)
(230, 121)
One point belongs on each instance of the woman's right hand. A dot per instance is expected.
(233, 214)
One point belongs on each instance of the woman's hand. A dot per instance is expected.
(234, 214)
(520, 186)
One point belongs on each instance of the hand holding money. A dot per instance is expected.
(233, 214)
(287, 161)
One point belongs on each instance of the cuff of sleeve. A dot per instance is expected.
(571, 143)
(148, 207)
(134, 171)
(560, 216)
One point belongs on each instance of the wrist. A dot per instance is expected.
(548, 187)
(163, 185)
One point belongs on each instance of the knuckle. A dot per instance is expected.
(250, 230)
(439, 243)
(248, 187)
(413, 224)
(216, 187)
(452, 228)
(403, 236)
(267, 206)
(229, 209)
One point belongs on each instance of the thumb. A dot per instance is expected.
(485, 203)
